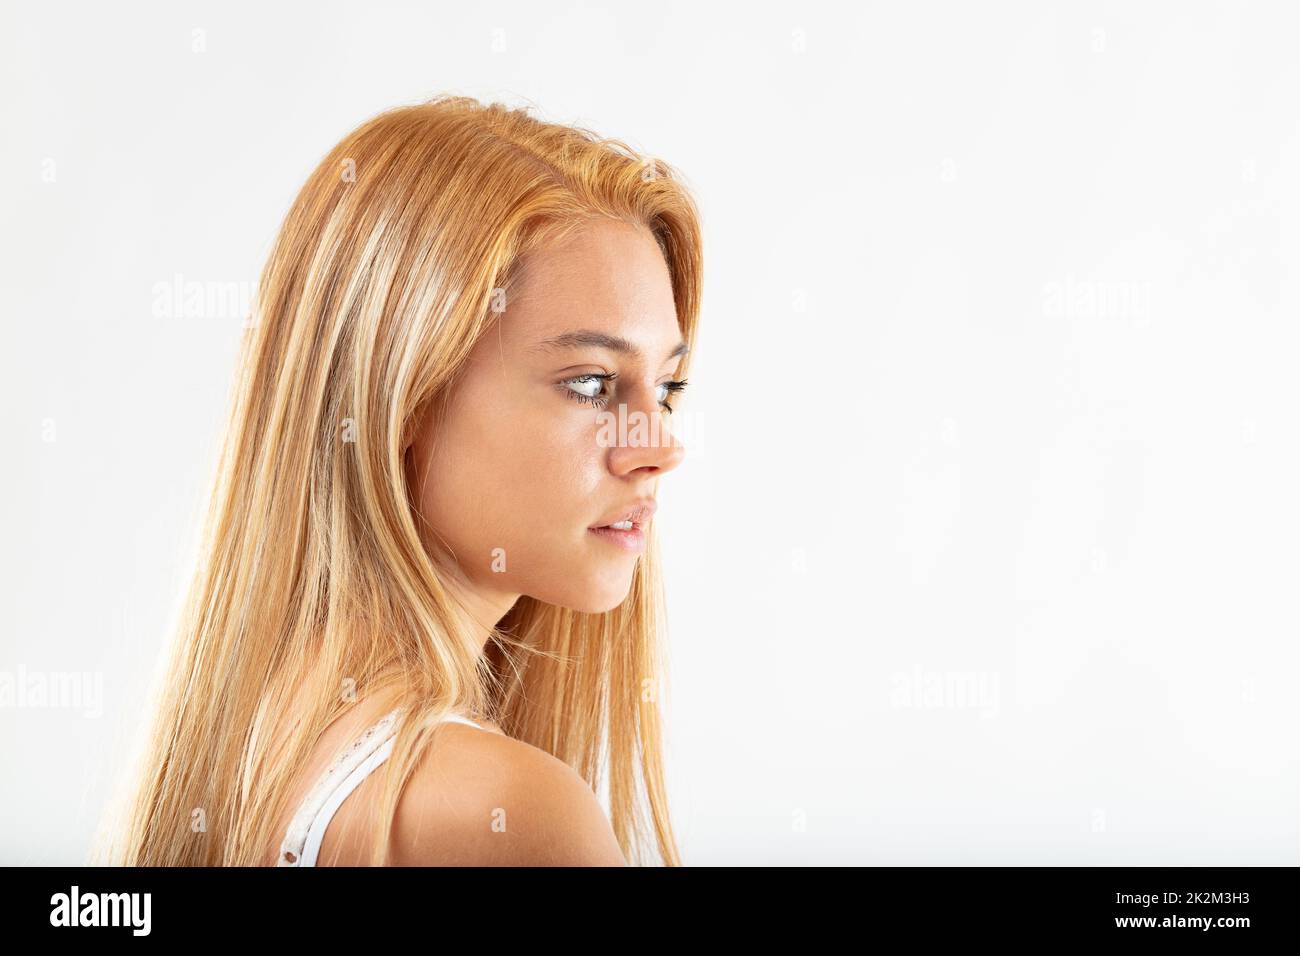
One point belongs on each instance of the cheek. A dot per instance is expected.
(514, 476)
(551, 467)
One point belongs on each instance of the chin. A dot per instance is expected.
(606, 604)
(599, 594)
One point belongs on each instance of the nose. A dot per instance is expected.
(640, 437)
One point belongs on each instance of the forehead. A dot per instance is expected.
(608, 276)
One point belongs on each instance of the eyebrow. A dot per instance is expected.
(587, 338)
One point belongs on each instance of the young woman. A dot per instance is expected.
(425, 627)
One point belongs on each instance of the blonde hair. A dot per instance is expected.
(312, 573)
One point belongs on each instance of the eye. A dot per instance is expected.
(670, 388)
(590, 389)
(587, 388)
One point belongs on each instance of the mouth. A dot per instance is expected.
(627, 530)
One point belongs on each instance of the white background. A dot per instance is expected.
(984, 550)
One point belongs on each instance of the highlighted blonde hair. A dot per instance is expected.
(312, 575)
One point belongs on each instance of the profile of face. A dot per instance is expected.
(557, 426)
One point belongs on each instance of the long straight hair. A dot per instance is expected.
(313, 586)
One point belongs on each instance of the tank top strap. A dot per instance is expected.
(306, 832)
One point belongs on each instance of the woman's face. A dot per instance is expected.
(526, 461)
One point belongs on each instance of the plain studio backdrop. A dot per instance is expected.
(984, 548)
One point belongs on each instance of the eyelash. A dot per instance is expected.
(595, 400)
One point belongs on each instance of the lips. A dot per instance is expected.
(638, 512)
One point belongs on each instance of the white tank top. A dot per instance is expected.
(303, 839)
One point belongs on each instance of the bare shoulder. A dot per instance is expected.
(484, 799)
